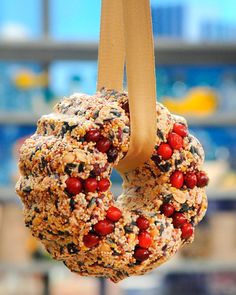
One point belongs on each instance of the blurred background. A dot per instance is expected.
(48, 49)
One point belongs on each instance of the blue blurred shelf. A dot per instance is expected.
(220, 119)
(19, 118)
(167, 51)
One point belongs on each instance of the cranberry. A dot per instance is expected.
(114, 214)
(190, 179)
(145, 239)
(112, 154)
(177, 179)
(103, 145)
(167, 209)
(90, 240)
(91, 184)
(180, 129)
(202, 179)
(103, 185)
(175, 141)
(73, 185)
(165, 151)
(178, 219)
(93, 135)
(104, 227)
(142, 223)
(141, 254)
(187, 230)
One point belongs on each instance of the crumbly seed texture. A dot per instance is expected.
(58, 150)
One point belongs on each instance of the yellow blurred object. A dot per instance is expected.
(229, 181)
(27, 79)
(198, 101)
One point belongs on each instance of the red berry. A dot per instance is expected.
(93, 135)
(104, 227)
(165, 151)
(190, 179)
(112, 154)
(177, 179)
(167, 209)
(141, 254)
(73, 185)
(145, 239)
(91, 184)
(175, 141)
(91, 240)
(187, 230)
(103, 145)
(180, 129)
(103, 185)
(202, 179)
(114, 214)
(178, 219)
(142, 223)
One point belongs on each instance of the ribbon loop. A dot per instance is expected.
(138, 49)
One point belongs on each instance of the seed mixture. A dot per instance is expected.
(65, 187)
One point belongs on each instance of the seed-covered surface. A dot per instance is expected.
(65, 169)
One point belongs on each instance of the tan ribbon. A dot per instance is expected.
(111, 53)
(140, 68)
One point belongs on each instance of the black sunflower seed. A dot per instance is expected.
(81, 167)
(115, 113)
(52, 126)
(180, 160)
(167, 198)
(95, 115)
(61, 250)
(156, 159)
(185, 208)
(126, 130)
(69, 168)
(128, 228)
(66, 127)
(27, 189)
(194, 150)
(72, 249)
(115, 253)
(92, 202)
(161, 228)
(72, 204)
(164, 167)
(36, 209)
(56, 203)
(160, 134)
(67, 193)
(43, 163)
(164, 247)
(28, 223)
